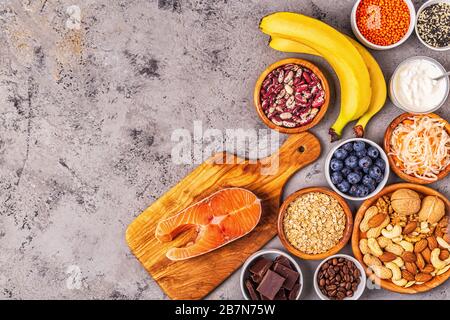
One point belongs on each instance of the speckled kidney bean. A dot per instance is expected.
(291, 96)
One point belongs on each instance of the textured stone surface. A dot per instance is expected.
(87, 116)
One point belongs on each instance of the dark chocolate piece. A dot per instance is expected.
(260, 266)
(270, 284)
(290, 275)
(256, 278)
(251, 290)
(264, 298)
(293, 294)
(281, 295)
(284, 261)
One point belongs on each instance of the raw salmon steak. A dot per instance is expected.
(218, 219)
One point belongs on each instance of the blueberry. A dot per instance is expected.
(359, 171)
(340, 154)
(352, 190)
(359, 146)
(361, 153)
(365, 162)
(346, 171)
(362, 191)
(373, 152)
(368, 181)
(366, 170)
(372, 188)
(344, 186)
(351, 162)
(348, 147)
(336, 178)
(336, 165)
(380, 164)
(376, 173)
(354, 178)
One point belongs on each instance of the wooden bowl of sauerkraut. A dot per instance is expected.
(418, 147)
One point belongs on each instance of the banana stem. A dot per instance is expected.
(359, 128)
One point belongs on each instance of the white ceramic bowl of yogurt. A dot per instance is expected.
(412, 89)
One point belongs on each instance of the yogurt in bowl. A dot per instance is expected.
(413, 88)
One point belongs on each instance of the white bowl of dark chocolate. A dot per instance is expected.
(271, 274)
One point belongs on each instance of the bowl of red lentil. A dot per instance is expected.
(383, 25)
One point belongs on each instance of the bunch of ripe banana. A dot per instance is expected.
(363, 87)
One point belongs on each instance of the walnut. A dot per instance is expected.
(433, 209)
(405, 202)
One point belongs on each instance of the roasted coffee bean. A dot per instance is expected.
(338, 278)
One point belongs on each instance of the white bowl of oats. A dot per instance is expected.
(314, 223)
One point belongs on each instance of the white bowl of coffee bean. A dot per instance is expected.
(340, 277)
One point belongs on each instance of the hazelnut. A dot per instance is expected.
(433, 209)
(405, 202)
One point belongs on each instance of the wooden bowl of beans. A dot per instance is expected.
(314, 223)
(291, 96)
(382, 25)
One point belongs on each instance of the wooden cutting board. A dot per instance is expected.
(196, 277)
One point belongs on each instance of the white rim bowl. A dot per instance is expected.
(269, 254)
(367, 43)
(391, 85)
(379, 187)
(425, 5)
(361, 286)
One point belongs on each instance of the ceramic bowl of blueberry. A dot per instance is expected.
(357, 169)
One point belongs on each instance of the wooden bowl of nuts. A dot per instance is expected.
(406, 155)
(401, 237)
(291, 95)
(314, 223)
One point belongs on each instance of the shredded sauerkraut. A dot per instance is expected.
(420, 146)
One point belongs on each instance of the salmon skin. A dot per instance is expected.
(219, 219)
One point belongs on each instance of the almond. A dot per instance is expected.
(428, 269)
(420, 261)
(407, 275)
(432, 243)
(426, 253)
(409, 256)
(410, 227)
(423, 277)
(411, 267)
(444, 254)
(387, 257)
(420, 245)
(376, 220)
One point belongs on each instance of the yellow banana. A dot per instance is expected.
(379, 89)
(378, 83)
(338, 51)
(286, 45)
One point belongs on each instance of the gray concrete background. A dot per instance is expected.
(87, 116)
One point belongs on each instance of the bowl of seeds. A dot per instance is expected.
(314, 223)
(433, 24)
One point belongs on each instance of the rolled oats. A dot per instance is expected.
(314, 223)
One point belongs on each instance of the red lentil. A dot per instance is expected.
(383, 22)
